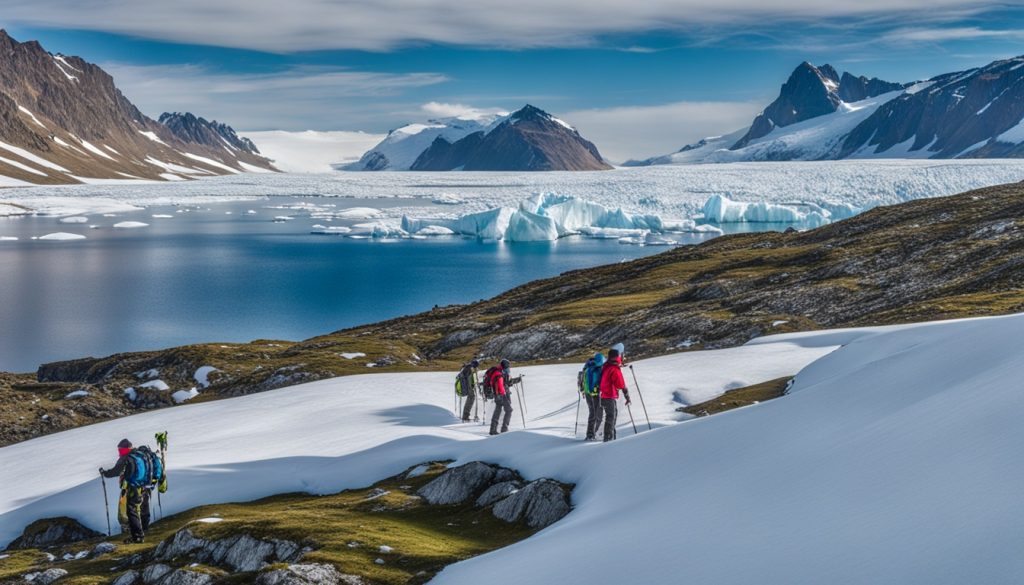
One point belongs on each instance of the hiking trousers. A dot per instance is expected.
(468, 408)
(594, 415)
(502, 402)
(134, 510)
(611, 410)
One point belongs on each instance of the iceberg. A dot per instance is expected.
(720, 209)
(531, 227)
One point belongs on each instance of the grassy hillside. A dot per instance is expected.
(923, 260)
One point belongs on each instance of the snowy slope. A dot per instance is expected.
(312, 151)
(402, 146)
(895, 459)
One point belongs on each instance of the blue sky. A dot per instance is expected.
(639, 77)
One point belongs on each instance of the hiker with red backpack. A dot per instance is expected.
(496, 380)
(139, 471)
(612, 381)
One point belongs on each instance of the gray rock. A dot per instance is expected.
(51, 532)
(127, 578)
(459, 484)
(182, 543)
(540, 503)
(505, 474)
(307, 574)
(103, 548)
(185, 577)
(496, 492)
(49, 576)
(154, 573)
(239, 553)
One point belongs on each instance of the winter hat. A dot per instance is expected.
(599, 359)
(613, 353)
(505, 364)
(474, 364)
(124, 444)
(619, 348)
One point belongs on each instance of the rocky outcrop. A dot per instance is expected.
(307, 574)
(527, 140)
(70, 113)
(52, 532)
(240, 553)
(46, 577)
(190, 128)
(540, 503)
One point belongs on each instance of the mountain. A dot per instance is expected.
(820, 115)
(63, 120)
(400, 148)
(527, 140)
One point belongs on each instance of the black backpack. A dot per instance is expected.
(488, 384)
(464, 381)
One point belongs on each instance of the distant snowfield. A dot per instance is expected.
(671, 191)
(312, 151)
(895, 459)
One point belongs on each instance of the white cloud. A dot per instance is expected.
(643, 131)
(445, 110)
(297, 25)
(294, 99)
(938, 35)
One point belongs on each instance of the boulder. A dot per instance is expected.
(505, 474)
(539, 504)
(307, 574)
(496, 492)
(186, 577)
(241, 552)
(49, 576)
(103, 548)
(154, 573)
(127, 578)
(51, 532)
(459, 484)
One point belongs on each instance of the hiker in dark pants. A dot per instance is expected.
(498, 379)
(592, 394)
(611, 382)
(467, 379)
(133, 507)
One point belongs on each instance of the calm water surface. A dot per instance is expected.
(207, 275)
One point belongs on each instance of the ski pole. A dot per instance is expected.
(522, 413)
(106, 503)
(576, 429)
(523, 388)
(641, 394)
(630, 411)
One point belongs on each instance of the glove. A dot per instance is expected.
(626, 394)
(102, 470)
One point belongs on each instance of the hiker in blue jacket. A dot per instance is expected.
(133, 506)
(592, 394)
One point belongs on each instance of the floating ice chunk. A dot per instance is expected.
(334, 230)
(720, 209)
(530, 227)
(126, 225)
(8, 238)
(156, 385)
(282, 218)
(435, 230)
(162, 216)
(377, 230)
(74, 219)
(448, 199)
(486, 225)
(202, 375)
(611, 233)
(184, 395)
(61, 237)
(708, 229)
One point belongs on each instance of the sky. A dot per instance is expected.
(637, 77)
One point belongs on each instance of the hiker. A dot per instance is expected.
(467, 386)
(133, 508)
(611, 382)
(591, 389)
(497, 378)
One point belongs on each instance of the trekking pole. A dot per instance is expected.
(630, 411)
(523, 388)
(106, 503)
(641, 394)
(522, 412)
(576, 429)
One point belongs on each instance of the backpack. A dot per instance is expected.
(143, 468)
(464, 382)
(592, 375)
(488, 384)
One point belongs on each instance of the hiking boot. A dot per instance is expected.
(493, 432)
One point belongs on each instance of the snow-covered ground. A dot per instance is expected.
(674, 192)
(895, 459)
(312, 151)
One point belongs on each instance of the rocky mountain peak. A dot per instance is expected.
(191, 128)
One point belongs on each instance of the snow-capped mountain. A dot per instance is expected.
(820, 115)
(63, 120)
(399, 150)
(189, 128)
(529, 139)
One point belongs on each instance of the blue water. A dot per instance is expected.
(207, 276)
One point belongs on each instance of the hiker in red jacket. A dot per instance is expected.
(611, 382)
(497, 378)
